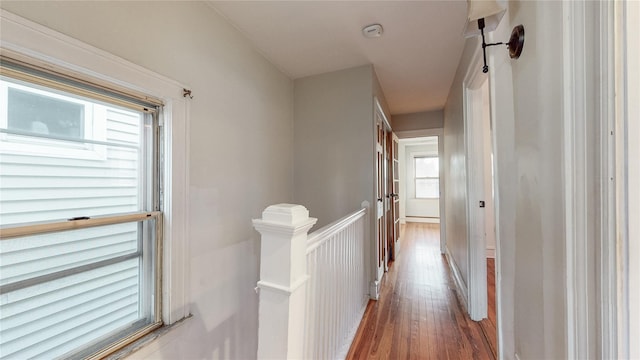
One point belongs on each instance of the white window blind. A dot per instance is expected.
(79, 216)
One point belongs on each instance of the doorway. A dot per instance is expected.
(488, 324)
(481, 234)
(421, 190)
(387, 217)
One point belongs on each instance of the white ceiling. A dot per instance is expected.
(415, 59)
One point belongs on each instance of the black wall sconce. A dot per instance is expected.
(484, 16)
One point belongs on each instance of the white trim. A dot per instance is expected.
(406, 136)
(27, 40)
(627, 18)
(622, 303)
(575, 175)
(380, 210)
(490, 253)
(351, 335)
(457, 277)
(379, 108)
(426, 220)
(374, 289)
(477, 280)
(608, 261)
(280, 289)
(410, 134)
(632, 78)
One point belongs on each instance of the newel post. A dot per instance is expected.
(283, 274)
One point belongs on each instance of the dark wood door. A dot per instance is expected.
(380, 194)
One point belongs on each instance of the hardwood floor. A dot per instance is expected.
(488, 325)
(418, 314)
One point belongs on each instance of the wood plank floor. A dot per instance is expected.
(488, 325)
(418, 315)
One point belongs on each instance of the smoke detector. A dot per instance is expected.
(372, 31)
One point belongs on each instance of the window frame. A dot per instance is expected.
(416, 177)
(28, 41)
(149, 199)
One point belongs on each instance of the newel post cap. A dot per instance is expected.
(285, 214)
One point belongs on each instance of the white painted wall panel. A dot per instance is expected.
(334, 144)
(529, 172)
(539, 304)
(455, 167)
(633, 113)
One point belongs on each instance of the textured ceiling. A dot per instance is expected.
(415, 59)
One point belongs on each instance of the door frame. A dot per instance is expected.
(439, 132)
(378, 114)
(477, 303)
(621, 76)
(395, 191)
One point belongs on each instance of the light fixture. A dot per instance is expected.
(485, 15)
(373, 30)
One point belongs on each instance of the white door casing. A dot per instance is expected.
(474, 148)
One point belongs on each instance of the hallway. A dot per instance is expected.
(418, 314)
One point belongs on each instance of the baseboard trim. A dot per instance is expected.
(491, 253)
(374, 290)
(457, 277)
(344, 349)
(423, 220)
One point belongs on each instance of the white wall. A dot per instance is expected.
(539, 298)
(335, 146)
(241, 131)
(418, 121)
(633, 109)
(530, 207)
(334, 142)
(455, 166)
(501, 98)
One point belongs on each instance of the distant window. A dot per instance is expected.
(427, 177)
(79, 266)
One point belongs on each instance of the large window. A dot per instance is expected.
(427, 177)
(80, 215)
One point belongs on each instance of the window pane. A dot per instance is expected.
(31, 112)
(427, 167)
(66, 154)
(49, 179)
(51, 319)
(427, 188)
(56, 316)
(36, 255)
